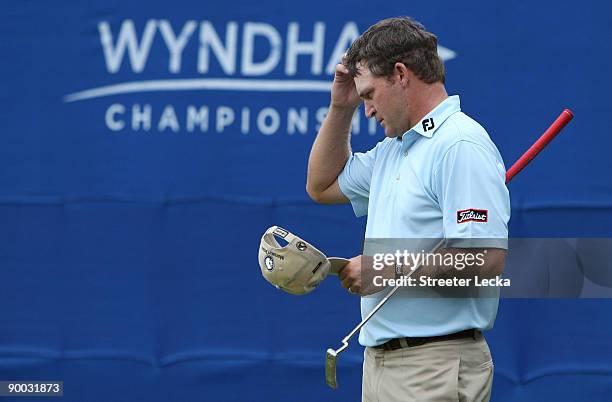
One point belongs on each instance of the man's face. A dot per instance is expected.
(384, 99)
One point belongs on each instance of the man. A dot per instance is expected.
(437, 174)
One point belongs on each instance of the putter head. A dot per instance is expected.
(330, 368)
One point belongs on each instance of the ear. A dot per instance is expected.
(402, 74)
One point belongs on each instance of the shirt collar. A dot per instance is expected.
(428, 125)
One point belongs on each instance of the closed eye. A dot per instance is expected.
(367, 94)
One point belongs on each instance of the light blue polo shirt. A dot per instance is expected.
(444, 178)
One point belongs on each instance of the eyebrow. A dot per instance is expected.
(365, 92)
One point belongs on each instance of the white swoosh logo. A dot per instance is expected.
(223, 84)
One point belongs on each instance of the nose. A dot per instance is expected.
(369, 109)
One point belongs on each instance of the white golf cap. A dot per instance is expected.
(297, 268)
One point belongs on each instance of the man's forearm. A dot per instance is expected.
(330, 150)
(462, 263)
(449, 263)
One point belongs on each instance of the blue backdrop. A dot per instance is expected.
(146, 146)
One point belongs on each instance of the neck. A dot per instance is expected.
(430, 96)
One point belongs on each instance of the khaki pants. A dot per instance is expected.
(455, 370)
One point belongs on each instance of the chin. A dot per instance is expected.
(390, 133)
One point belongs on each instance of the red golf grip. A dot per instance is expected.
(535, 149)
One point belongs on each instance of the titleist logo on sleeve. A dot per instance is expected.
(472, 215)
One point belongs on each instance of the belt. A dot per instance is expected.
(399, 343)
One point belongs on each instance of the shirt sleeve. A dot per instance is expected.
(355, 179)
(471, 191)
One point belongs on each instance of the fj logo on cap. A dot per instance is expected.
(301, 246)
(472, 215)
(428, 124)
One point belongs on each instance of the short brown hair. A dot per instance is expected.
(393, 40)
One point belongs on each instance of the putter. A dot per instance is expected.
(331, 358)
